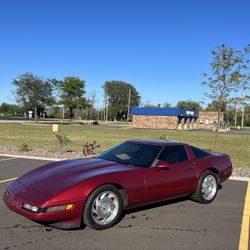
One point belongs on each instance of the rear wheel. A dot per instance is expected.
(103, 207)
(207, 188)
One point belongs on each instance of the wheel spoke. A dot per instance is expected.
(209, 187)
(111, 196)
(102, 196)
(105, 208)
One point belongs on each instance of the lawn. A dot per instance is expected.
(41, 136)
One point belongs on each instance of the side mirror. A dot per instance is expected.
(162, 165)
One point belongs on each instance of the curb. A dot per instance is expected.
(33, 157)
(239, 178)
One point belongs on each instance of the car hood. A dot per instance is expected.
(55, 177)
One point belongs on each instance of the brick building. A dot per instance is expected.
(208, 119)
(172, 118)
(164, 118)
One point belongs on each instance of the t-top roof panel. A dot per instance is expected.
(164, 112)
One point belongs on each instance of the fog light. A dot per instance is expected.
(59, 208)
(30, 207)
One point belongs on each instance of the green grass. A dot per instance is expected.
(41, 136)
(244, 128)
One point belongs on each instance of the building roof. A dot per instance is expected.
(164, 112)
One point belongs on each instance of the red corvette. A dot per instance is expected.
(95, 191)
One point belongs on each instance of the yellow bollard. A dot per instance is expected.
(55, 128)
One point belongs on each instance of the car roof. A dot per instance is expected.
(156, 142)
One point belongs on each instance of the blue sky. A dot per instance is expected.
(159, 46)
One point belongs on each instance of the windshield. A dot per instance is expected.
(132, 153)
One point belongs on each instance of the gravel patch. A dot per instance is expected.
(243, 172)
(38, 152)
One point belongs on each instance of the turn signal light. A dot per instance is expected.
(59, 208)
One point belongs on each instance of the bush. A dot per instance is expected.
(89, 148)
(62, 140)
(24, 147)
(163, 137)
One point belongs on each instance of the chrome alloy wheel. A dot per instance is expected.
(209, 187)
(105, 208)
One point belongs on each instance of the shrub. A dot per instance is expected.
(163, 137)
(62, 140)
(89, 148)
(24, 147)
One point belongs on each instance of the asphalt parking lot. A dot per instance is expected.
(178, 224)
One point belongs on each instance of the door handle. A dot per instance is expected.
(190, 167)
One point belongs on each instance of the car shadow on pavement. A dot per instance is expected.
(132, 210)
(155, 205)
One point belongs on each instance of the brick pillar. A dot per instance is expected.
(192, 123)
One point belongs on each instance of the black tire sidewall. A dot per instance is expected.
(87, 216)
(204, 175)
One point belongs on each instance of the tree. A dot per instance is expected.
(167, 105)
(148, 104)
(10, 110)
(122, 97)
(33, 92)
(189, 105)
(71, 91)
(247, 115)
(214, 106)
(227, 68)
(245, 84)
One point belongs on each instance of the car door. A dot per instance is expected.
(179, 178)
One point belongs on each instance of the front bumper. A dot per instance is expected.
(61, 219)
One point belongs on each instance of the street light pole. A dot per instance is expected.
(243, 107)
(107, 108)
(129, 100)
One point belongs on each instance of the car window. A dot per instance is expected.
(129, 153)
(174, 154)
(199, 153)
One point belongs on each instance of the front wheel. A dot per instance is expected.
(207, 188)
(103, 207)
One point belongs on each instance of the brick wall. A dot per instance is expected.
(154, 122)
(208, 119)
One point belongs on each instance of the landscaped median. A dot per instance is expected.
(39, 140)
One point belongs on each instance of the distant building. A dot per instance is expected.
(208, 119)
(172, 118)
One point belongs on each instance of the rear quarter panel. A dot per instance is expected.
(219, 163)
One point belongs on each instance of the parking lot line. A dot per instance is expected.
(7, 159)
(7, 180)
(245, 222)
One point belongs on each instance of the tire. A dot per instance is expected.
(103, 208)
(207, 188)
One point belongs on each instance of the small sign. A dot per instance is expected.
(188, 112)
(55, 128)
(30, 114)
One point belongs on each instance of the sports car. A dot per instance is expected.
(95, 191)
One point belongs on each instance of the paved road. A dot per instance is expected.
(180, 224)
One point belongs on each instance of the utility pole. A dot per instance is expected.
(129, 100)
(243, 106)
(235, 118)
(63, 112)
(107, 108)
